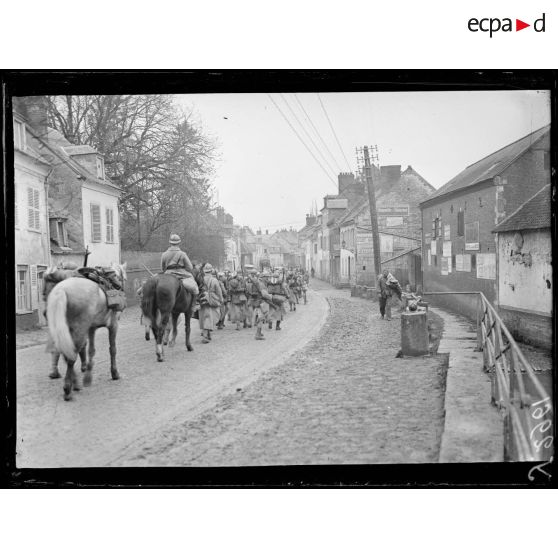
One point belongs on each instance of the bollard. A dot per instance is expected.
(414, 334)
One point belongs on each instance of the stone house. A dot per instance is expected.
(524, 270)
(459, 250)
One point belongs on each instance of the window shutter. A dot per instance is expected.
(95, 223)
(37, 209)
(30, 212)
(53, 230)
(34, 276)
(110, 226)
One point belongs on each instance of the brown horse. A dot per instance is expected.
(76, 308)
(163, 297)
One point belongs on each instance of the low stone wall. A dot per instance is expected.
(533, 329)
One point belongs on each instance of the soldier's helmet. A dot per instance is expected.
(413, 306)
(208, 268)
(174, 239)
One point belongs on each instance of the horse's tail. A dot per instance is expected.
(148, 302)
(57, 304)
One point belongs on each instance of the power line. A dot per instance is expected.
(301, 140)
(318, 151)
(317, 132)
(334, 134)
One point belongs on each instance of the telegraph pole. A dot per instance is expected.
(371, 153)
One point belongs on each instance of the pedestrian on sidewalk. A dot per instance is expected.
(384, 295)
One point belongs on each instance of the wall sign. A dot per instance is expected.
(433, 247)
(445, 266)
(447, 232)
(486, 266)
(446, 247)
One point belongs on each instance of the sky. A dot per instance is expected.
(266, 178)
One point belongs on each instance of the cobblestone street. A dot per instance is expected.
(343, 398)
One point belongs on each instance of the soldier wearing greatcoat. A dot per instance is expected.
(278, 291)
(259, 302)
(237, 291)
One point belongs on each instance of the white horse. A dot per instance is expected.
(76, 308)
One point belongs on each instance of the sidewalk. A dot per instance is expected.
(473, 430)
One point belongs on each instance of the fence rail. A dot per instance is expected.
(517, 389)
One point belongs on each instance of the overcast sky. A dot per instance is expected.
(267, 178)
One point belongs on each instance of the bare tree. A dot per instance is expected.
(153, 151)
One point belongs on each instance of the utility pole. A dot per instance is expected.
(370, 154)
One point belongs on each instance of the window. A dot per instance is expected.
(436, 228)
(95, 223)
(472, 236)
(460, 222)
(110, 225)
(33, 209)
(22, 289)
(100, 168)
(315, 248)
(20, 139)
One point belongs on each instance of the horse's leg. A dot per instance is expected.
(83, 358)
(87, 376)
(76, 378)
(113, 329)
(159, 337)
(187, 316)
(68, 380)
(55, 372)
(147, 336)
(174, 319)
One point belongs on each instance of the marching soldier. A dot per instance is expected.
(237, 292)
(175, 261)
(258, 301)
(278, 292)
(210, 304)
(225, 306)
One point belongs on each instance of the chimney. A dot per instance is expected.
(345, 179)
(34, 109)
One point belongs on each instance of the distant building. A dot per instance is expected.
(458, 244)
(524, 270)
(398, 195)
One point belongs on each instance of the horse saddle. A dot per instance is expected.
(106, 279)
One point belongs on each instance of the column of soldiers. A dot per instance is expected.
(252, 299)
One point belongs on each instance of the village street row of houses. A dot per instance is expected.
(64, 203)
(488, 229)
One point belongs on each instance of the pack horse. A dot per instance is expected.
(76, 308)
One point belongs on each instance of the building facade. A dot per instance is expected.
(524, 270)
(459, 250)
(31, 222)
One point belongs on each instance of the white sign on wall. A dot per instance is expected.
(428, 257)
(433, 247)
(447, 232)
(386, 243)
(447, 249)
(486, 266)
(394, 221)
(444, 266)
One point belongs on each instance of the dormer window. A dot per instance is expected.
(20, 139)
(100, 168)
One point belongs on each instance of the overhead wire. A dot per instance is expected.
(300, 138)
(318, 151)
(333, 130)
(317, 132)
